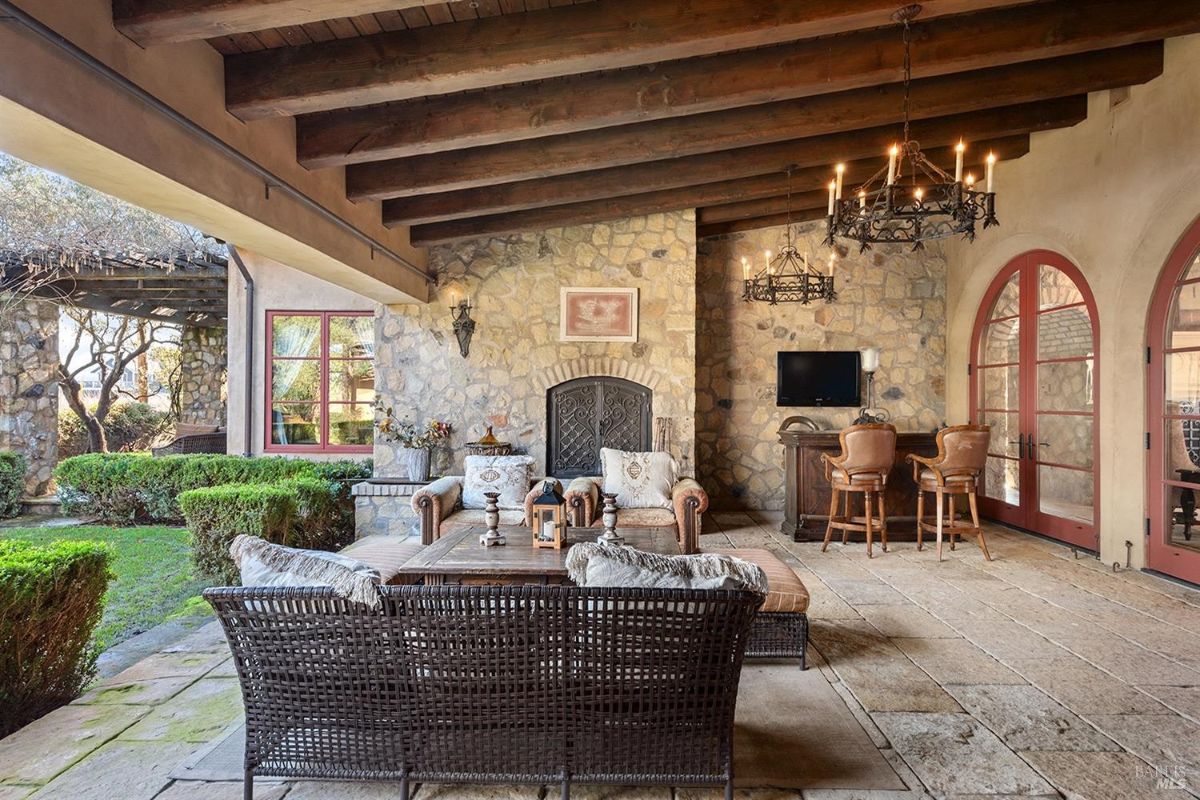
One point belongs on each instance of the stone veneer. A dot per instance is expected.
(202, 369)
(514, 284)
(889, 297)
(29, 387)
(384, 509)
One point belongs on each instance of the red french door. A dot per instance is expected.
(1174, 414)
(1034, 380)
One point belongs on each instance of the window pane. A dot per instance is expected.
(1183, 527)
(1055, 288)
(296, 336)
(295, 381)
(1002, 480)
(350, 425)
(1008, 302)
(1184, 321)
(1006, 428)
(1065, 493)
(1193, 270)
(1065, 386)
(1065, 333)
(351, 337)
(1182, 456)
(1065, 440)
(1000, 388)
(1182, 383)
(1002, 342)
(351, 382)
(295, 423)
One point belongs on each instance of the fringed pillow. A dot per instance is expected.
(508, 475)
(639, 480)
(595, 564)
(265, 564)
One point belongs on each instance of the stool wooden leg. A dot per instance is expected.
(941, 519)
(833, 504)
(868, 501)
(882, 523)
(846, 517)
(952, 519)
(920, 518)
(978, 528)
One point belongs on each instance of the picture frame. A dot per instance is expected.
(598, 314)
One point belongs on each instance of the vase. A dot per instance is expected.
(418, 464)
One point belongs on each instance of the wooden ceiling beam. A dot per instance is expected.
(722, 195)
(740, 163)
(151, 22)
(729, 80)
(756, 223)
(753, 125)
(513, 48)
(701, 192)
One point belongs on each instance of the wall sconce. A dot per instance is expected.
(464, 326)
(869, 414)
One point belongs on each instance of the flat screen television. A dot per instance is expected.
(818, 378)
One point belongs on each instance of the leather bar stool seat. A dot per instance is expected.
(868, 453)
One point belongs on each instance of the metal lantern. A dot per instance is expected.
(548, 522)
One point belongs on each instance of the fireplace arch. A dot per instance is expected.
(586, 414)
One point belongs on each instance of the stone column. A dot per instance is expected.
(202, 369)
(29, 387)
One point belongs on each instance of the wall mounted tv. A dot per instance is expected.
(818, 378)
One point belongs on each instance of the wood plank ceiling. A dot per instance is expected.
(496, 116)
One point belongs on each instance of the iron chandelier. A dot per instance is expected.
(934, 204)
(789, 277)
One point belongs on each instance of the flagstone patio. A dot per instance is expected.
(1015, 678)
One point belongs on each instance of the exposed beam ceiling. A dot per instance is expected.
(541, 44)
(754, 223)
(729, 80)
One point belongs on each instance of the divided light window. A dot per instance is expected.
(320, 381)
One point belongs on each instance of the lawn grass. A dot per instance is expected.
(154, 576)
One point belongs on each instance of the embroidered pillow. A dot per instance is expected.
(508, 475)
(640, 480)
(263, 563)
(595, 564)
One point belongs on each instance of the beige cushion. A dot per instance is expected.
(386, 554)
(508, 475)
(786, 592)
(862, 477)
(645, 518)
(639, 480)
(929, 476)
(264, 563)
(188, 429)
(595, 564)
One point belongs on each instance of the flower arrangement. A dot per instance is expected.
(410, 434)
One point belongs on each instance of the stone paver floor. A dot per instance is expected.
(1034, 675)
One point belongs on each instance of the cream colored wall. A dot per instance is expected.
(1113, 194)
(276, 288)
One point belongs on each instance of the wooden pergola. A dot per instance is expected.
(187, 289)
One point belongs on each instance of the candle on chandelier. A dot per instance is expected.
(832, 257)
(767, 261)
(892, 155)
(991, 164)
(862, 198)
(918, 193)
(970, 180)
(832, 195)
(840, 171)
(745, 268)
(959, 149)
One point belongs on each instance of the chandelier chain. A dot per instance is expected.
(907, 76)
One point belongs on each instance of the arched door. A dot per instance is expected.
(1174, 409)
(1034, 380)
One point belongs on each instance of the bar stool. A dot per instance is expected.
(868, 453)
(961, 458)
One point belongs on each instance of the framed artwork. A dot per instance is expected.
(598, 314)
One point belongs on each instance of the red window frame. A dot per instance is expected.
(323, 402)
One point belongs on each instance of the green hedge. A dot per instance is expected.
(51, 597)
(215, 515)
(12, 482)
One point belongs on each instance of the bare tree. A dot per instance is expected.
(106, 344)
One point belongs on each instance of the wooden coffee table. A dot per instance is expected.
(458, 558)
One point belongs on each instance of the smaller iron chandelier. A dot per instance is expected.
(933, 205)
(788, 278)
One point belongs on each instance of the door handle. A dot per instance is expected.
(1020, 443)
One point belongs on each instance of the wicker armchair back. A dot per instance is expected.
(525, 684)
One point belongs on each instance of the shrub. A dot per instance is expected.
(129, 428)
(12, 482)
(217, 514)
(51, 597)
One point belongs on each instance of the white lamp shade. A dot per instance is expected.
(870, 358)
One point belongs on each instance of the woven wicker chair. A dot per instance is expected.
(193, 439)
(532, 684)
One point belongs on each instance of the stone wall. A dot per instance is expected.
(888, 297)
(29, 387)
(202, 368)
(514, 284)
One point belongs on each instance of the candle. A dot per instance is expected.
(918, 193)
(745, 268)
(767, 260)
(452, 294)
(991, 164)
(970, 180)
(832, 195)
(958, 161)
(892, 154)
(862, 198)
(832, 256)
(548, 531)
(839, 170)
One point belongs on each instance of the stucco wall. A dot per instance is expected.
(277, 288)
(1113, 194)
(888, 297)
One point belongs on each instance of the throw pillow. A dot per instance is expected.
(640, 480)
(266, 564)
(508, 475)
(595, 564)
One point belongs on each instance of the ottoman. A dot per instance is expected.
(781, 627)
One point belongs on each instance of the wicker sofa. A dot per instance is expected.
(533, 684)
